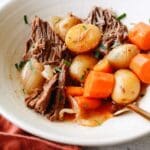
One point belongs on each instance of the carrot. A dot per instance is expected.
(140, 65)
(140, 36)
(74, 90)
(88, 103)
(103, 65)
(98, 84)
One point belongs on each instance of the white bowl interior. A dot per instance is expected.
(13, 35)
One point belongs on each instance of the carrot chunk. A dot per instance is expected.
(140, 36)
(98, 84)
(103, 66)
(140, 65)
(88, 103)
(74, 90)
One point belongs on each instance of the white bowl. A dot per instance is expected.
(13, 35)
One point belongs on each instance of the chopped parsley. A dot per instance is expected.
(102, 46)
(56, 20)
(97, 54)
(98, 122)
(31, 66)
(84, 27)
(122, 16)
(19, 66)
(82, 77)
(67, 63)
(84, 74)
(23, 90)
(57, 69)
(25, 19)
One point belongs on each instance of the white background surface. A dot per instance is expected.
(140, 144)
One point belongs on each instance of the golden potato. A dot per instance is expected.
(127, 87)
(62, 25)
(31, 76)
(121, 56)
(81, 66)
(83, 38)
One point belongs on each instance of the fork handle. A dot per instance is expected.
(139, 111)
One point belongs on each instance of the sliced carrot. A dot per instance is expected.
(74, 90)
(103, 65)
(140, 36)
(88, 103)
(140, 65)
(98, 84)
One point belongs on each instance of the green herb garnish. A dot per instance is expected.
(98, 123)
(56, 20)
(67, 63)
(84, 74)
(25, 19)
(84, 27)
(122, 16)
(102, 46)
(31, 66)
(23, 90)
(97, 54)
(82, 77)
(20, 65)
(57, 69)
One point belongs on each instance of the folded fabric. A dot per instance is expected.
(13, 138)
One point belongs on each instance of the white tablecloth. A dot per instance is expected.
(140, 144)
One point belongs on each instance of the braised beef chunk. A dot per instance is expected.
(45, 95)
(44, 44)
(31, 99)
(60, 95)
(39, 99)
(114, 32)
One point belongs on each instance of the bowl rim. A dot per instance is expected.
(24, 125)
(35, 131)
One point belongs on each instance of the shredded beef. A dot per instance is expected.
(40, 98)
(44, 44)
(46, 47)
(45, 95)
(31, 99)
(60, 94)
(114, 32)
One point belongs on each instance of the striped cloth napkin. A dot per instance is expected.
(13, 138)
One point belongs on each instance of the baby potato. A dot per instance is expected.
(81, 66)
(31, 75)
(121, 56)
(62, 25)
(66, 24)
(83, 38)
(127, 87)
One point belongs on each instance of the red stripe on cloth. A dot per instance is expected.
(13, 138)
